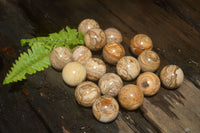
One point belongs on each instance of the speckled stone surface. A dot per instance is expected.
(130, 97)
(95, 39)
(149, 83)
(110, 84)
(113, 52)
(95, 68)
(172, 76)
(86, 93)
(105, 109)
(128, 68)
(59, 57)
(139, 43)
(113, 35)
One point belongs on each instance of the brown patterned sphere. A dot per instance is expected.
(130, 97)
(110, 84)
(113, 35)
(149, 83)
(86, 93)
(95, 68)
(112, 52)
(139, 43)
(171, 76)
(74, 73)
(105, 109)
(87, 24)
(128, 68)
(59, 57)
(149, 61)
(81, 54)
(95, 39)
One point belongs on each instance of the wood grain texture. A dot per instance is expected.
(44, 103)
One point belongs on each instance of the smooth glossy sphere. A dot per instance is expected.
(128, 68)
(105, 109)
(87, 24)
(171, 76)
(74, 73)
(81, 54)
(130, 97)
(95, 39)
(139, 43)
(149, 61)
(112, 52)
(95, 68)
(149, 83)
(110, 84)
(113, 35)
(59, 57)
(86, 93)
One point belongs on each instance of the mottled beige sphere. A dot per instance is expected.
(113, 35)
(86, 93)
(130, 97)
(87, 24)
(81, 54)
(149, 83)
(110, 84)
(113, 52)
(59, 57)
(171, 76)
(95, 68)
(128, 68)
(74, 73)
(105, 109)
(139, 43)
(149, 61)
(95, 39)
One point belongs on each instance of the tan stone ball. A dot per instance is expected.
(74, 73)
(139, 43)
(86, 93)
(87, 24)
(95, 39)
(149, 83)
(172, 76)
(130, 97)
(59, 57)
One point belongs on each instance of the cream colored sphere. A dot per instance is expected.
(74, 73)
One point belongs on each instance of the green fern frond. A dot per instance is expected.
(36, 59)
(66, 37)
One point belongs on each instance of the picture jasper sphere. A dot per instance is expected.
(130, 97)
(139, 43)
(81, 54)
(171, 76)
(105, 109)
(59, 57)
(86, 93)
(110, 84)
(74, 73)
(95, 68)
(113, 35)
(149, 83)
(95, 39)
(112, 52)
(149, 61)
(128, 68)
(87, 24)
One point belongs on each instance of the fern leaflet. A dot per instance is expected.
(36, 59)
